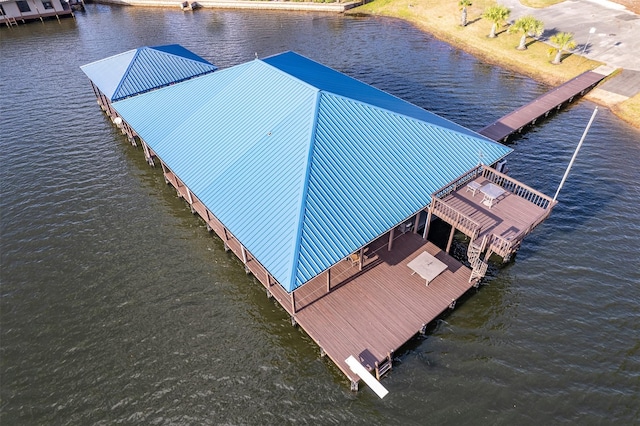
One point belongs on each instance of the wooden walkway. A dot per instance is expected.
(516, 121)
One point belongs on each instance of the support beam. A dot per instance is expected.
(390, 245)
(244, 255)
(361, 259)
(225, 239)
(425, 234)
(329, 280)
(488, 255)
(416, 222)
(453, 231)
(293, 301)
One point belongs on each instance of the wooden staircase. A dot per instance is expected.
(478, 266)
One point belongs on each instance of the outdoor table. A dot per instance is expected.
(427, 266)
(491, 192)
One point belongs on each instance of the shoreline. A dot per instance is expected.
(441, 22)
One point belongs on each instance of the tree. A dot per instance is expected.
(563, 41)
(528, 26)
(463, 7)
(497, 14)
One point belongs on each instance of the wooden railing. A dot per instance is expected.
(517, 188)
(503, 247)
(497, 244)
(459, 182)
(455, 217)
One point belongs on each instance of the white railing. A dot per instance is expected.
(455, 217)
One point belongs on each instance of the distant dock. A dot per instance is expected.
(336, 7)
(514, 122)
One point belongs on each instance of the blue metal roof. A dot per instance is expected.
(147, 68)
(304, 165)
(330, 80)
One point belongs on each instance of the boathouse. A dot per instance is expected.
(12, 11)
(139, 71)
(324, 187)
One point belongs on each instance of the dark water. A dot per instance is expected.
(118, 307)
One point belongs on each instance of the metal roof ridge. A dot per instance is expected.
(293, 77)
(202, 61)
(109, 58)
(303, 199)
(126, 73)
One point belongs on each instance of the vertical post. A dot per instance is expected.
(361, 259)
(390, 239)
(225, 239)
(244, 254)
(453, 231)
(189, 196)
(575, 154)
(425, 234)
(416, 222)
(293, 301)
(329, 280)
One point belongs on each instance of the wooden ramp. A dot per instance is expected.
(516, 121)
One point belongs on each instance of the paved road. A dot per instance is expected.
(616, 37)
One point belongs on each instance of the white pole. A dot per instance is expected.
(575, 154)
(591, 31)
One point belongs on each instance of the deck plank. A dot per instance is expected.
(379, 310)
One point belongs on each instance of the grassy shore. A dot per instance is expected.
(442, 19)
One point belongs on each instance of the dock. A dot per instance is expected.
(514, 122)
(370, 305)
(338, 237)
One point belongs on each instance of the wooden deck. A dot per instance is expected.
(508, 217)
(370, 310)
(505, 223)
(516, 121)
(373, 312)
(13, 20)
(368, 313)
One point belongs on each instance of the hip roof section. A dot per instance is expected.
(144, 69)
(302, 164)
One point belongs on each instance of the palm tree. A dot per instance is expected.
(528, 26)
(564, 41)
(497, 14)
(463, 7)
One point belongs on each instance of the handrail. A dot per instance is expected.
(462, 221)
(458, 182)
(517, 188)
(502, 246)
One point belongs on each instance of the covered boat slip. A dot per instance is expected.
(264, 153)
(372, 303)
(366, 307)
